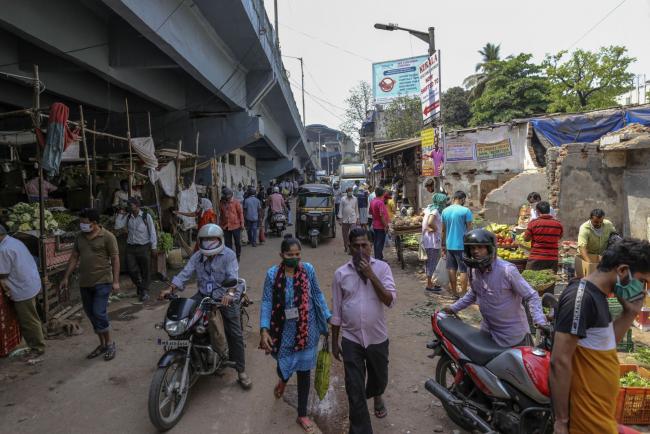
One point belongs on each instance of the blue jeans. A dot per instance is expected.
(378, 242)
(95, 303)
(251, 231)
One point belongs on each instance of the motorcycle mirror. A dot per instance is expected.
(230, 283)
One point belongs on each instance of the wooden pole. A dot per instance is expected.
(36, 104)
(94, 158)
(178, 166)
(155, 184)
(86, 158)
(128, 137)
(196, 157)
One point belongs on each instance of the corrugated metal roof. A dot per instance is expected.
(396, 146)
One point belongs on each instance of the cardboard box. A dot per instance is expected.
(584, 268)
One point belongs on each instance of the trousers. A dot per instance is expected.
(234, 235)
(138, 264)
(95, 304)
(251, 231)
(30, 324)
(366, 376)
(304, 378)
(345, 232)
(378, 242)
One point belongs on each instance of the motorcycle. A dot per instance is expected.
(188, 354)
(278, 223)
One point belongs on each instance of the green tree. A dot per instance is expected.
(455, 108)
(587, 80)
(476, 83)
(515, 88)
(358, 103)
(403, 117)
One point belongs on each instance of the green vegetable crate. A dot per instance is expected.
(633, 403)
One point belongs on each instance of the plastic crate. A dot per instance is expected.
(633, 403)
(9, 329)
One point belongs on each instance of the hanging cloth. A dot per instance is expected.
(188, 200)
(59, 137)
(144, 147)
(166, 177)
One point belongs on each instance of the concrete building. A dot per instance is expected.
(195, 66)
(334, 144)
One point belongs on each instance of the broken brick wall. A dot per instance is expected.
(502, 204)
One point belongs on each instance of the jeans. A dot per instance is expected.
(30, 324)
(95, 303)
(234, 335)
(138, 263)
(236, 235)
(251, 231)
(378, 242)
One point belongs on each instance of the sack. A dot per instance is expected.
(441, 274)
(322, 376)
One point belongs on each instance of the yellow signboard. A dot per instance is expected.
(492, 151)
(428, 140)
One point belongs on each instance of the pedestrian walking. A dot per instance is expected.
(96, 253)
(20, 281)
(361, 290)
(338, 195)
(293, 315)
(141, 243)
(431, 241)
(252, 215)
(348, 216)
(379, 222)
(263, 221)
(231, 221)
(362, 201)
(456, 220)
(544, 234)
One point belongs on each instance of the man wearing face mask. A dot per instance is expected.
(213, 264)
(96, 253)
(584, 376)
(348, 215)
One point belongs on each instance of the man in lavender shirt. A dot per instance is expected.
(361, 290)
(499, 290)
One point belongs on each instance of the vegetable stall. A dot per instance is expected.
(405, 231)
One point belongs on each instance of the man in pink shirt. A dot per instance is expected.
(361, 290)
(379, 222)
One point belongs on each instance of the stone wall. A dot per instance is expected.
(636, 182)
(502, 204)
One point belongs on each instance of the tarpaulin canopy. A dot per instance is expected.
(396, 146)
(639, 115)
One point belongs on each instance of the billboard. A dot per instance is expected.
(429, 74)
(429, 138)
(494, 150)
(395, 78)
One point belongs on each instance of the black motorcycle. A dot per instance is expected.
(188, 354)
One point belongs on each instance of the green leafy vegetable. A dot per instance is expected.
(538, 278)
(166, 242)
(633, 379)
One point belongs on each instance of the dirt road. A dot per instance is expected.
(68, 394)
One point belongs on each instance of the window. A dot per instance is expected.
(242, 160)
(223, 159)
(232, 160)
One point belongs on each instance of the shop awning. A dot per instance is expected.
(396, 146)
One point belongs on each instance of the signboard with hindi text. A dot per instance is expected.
(494, 150)
(430, 87)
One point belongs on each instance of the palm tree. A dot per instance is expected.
(476, 83)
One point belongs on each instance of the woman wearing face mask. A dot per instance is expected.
(293, 315)
(95, 249)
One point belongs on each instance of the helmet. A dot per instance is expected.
(276, 190)
(211, 231)
(479, 237)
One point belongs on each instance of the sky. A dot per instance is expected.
(338, 42)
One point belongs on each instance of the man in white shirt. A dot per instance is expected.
(141, 243)
(348, 215)
(21, 282)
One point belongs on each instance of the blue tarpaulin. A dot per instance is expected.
(638, 115)
(586, 127)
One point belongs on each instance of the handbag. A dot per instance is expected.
(323, 365)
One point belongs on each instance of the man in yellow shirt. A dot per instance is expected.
(594, 234)
(390, 204)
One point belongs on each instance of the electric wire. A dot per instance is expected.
(329, 44)
(597, 24)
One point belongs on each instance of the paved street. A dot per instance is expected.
(69, 394)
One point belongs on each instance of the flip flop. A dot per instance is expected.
(306, 424)
(111, 350)
(279, 389)
(381, 412)
(96, 352)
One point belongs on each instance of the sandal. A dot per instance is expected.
(381, 411)
(110, 352)
(96, 352)
(279, 389)
(306, 424)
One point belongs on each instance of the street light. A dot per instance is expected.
(428, 37)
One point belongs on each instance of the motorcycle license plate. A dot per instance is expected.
(174, 343)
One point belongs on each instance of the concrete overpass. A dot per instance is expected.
(195, 65)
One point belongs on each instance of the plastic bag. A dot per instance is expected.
(422, 253)
(441, 275)
(322, 376)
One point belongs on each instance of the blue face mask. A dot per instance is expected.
(631, 291)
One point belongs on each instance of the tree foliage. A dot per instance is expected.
(587, 80)
(358, 104)
(476, 83)
(403, 117)
(455, 108)
(516, 88)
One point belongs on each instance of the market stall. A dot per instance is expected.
(405, 231)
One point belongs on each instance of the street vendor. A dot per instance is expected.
(121, 196)
(594, 234)
(31, 189)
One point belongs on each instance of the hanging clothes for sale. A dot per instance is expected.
(59, 137)
(188, 201)
(166, 177)
(144, 147)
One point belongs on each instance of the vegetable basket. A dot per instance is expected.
(519, 263)
(633, 403)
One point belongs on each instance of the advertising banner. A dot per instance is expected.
(459, 149)
(430, 87)
(494, 150)
(430, 138)
(395, 78)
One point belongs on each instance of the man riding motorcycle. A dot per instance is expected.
(213, 264)
(498, 289)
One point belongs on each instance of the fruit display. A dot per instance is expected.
(503, 234)
(405, 221)
(510, 255)
(538, 278)
(519, 239)
(411, 241)
(26, 217)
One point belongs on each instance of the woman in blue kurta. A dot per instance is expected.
(293, 315)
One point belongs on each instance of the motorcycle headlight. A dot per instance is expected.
(303, 217)
(176, 328)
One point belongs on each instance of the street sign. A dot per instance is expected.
(395, 78)
(430, 87)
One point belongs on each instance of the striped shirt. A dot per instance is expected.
(545, 233)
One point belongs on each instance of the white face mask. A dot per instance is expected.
(86, 227)
(209, 244)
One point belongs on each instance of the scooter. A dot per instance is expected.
(188, 354)
(278, 223)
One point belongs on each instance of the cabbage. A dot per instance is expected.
(10, 223)
(25, 227)
(25, 218)
(48, 214)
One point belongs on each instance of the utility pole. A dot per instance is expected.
(302, 73)
(428, 37)
(275, 15)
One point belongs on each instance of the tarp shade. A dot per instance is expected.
(639, 115)
(396, 146)
(579, 128)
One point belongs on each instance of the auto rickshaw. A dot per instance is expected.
(315, 215)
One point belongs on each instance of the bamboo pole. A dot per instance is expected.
(128, 137)
(87, 160)
(103, 134)
(155, 184)
(178, 166)
(94, 158)
(196, 157)
(24, 112)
